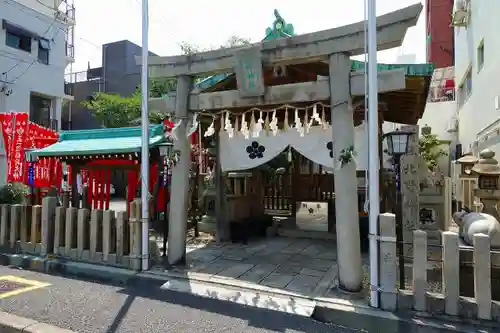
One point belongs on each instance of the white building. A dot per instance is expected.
(477, 69)
(36, 46)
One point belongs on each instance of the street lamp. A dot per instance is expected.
(397, 146)
(165, 150)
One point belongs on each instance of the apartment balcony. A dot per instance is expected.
(441, 94)
(65, 11)
(442, 86)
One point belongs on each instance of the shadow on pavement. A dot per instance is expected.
(255, 317)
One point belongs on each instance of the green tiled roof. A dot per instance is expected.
(101, 142)
(410, 69)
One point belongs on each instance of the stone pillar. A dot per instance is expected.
(419, 270)
(36, 218)
(24, 230)
(346, 200)
(82, 234)
(96, 235)
(180, 178)
(15, 223)
(108, 241)
(122, 247)
(70, 233)
(482, 275)
(410, 189)
(49, 205)
(135, 234)
(4, 224)
(451, 273)
(388, 263)
(59, 230)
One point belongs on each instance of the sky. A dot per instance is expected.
(211, 23)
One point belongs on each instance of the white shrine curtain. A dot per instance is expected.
(240, 153)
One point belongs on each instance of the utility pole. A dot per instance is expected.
(145, 138)
(373, 156)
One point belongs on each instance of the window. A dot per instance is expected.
(18, 40)
(465, 88)
(40, 110)
(468, 84)
(43, 51)
(480, 55)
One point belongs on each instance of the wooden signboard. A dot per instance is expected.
(249, 74)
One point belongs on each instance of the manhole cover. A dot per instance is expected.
(8, 286)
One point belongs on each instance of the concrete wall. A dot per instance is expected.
(479, 110)
(439, 116)
(24, 73)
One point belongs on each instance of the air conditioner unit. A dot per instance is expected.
(461, 14)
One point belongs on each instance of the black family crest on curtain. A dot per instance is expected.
(329, 146)
(255, 150)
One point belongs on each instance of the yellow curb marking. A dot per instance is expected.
(30, 285)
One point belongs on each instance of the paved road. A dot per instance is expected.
(88, 307)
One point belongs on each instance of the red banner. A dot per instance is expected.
(16, 145)
(20, 134)
(45, 169)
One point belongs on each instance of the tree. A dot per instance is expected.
(112, 110)
(430, 149)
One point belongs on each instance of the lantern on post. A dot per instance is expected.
(467, 162)
(165, 150)
(397, 146)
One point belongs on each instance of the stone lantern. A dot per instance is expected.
(466, 163)
(426, 130)
(488, 189)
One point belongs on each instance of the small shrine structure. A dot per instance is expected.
(95, 153)
(299, 92)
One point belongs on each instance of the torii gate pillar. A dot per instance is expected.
(346, 191)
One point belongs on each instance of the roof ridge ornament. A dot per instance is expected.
(279, 29)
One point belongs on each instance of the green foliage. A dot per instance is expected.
(158, 88)
(430, 149)
(112, 110)
(13, 194)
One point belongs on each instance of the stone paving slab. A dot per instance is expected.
(311, 272)
(292, 268)
(319, 265)
(235, 270)
(258, 273)
(303, 284)
(276, 280)
(298, 265)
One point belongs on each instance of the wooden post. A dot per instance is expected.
(75, 196)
